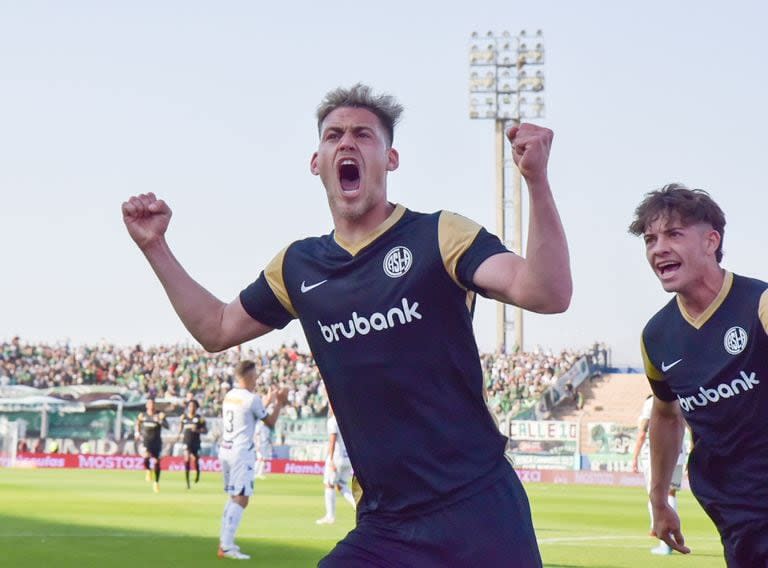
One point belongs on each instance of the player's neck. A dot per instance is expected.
(351, 231)
(698, 297)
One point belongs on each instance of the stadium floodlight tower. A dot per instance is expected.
(506, 84)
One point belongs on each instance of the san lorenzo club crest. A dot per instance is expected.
(397, 262)
(735, 340)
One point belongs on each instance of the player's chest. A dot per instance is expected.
(394, 274)
(726, 357)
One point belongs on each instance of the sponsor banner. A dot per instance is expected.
(169, 463)
(621, 479)
(543, 444)
(609, 446)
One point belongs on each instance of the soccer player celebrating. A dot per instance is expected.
(241, 409)
(706, 355)
(337, 473)
(386, 302)
(149, 427)
(642, 449)
(191, 426)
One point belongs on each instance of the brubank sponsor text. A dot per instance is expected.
(377, 321)
(705, 396)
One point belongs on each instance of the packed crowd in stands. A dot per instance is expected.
(170, 372)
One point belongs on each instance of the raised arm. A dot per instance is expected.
(279, 401)
(665, 429)
(540, 282)
(213, 323)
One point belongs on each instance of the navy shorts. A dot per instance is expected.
(491, 528)
(747, 546)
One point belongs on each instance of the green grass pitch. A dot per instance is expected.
(62, 518)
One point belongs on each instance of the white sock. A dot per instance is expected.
(229, 523)
(650, 513)
(672, 501)
(346, 492)
(330, 503)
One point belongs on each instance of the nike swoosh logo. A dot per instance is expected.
(305, 288)
(665, 368)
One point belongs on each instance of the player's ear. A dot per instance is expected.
(393, 160)
(713, 241)
(313, 165)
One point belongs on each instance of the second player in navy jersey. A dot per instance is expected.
(706, 356)
(386, 303)
(191, 427)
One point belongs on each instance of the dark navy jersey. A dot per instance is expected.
(193, 426)
(389, 323)
(150, 426)
(716, 367)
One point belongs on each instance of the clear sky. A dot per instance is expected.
(211, 106)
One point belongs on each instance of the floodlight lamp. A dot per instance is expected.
(506, 46)
(523, 47)
(539, 33)
(489, 34)
(522, 33)
(474, 34)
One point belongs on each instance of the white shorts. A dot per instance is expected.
(264, 451)
(677, 476)
(341, 477)
(237, 468)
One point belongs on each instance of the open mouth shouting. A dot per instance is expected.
(667, 268)
(349, 175)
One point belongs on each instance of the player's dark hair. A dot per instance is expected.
(385, 107)
(243, 368)
(193, 401)
(690, 206)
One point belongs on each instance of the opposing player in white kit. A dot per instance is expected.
(642, 452)
(241, 410)
(264, 438)
(337, 473)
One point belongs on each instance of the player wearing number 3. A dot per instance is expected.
(241, 410)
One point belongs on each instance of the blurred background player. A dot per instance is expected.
(241, 410)
(149, 426)
(642, 450)
(192, 425)
(265, 436)
(338, 472)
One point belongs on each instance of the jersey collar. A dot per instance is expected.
(712, 308)
(388, 223)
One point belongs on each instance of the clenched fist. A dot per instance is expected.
(146, 217)
(530, 150)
